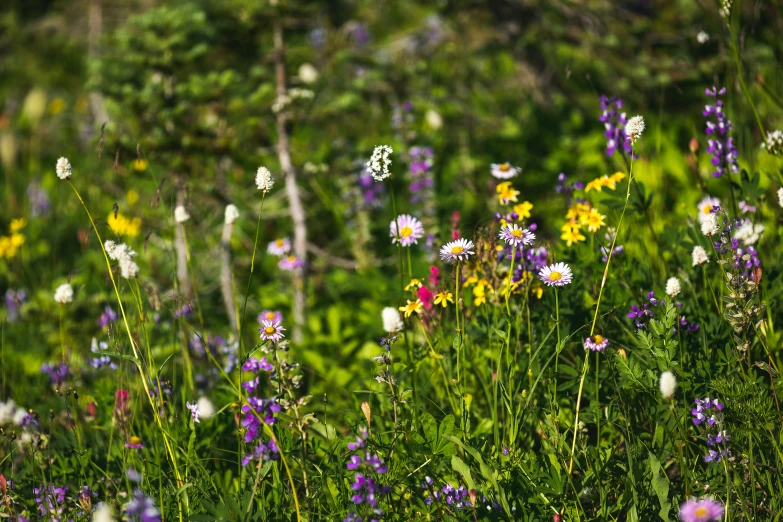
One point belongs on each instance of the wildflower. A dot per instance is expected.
(379, 162)
(279, 247)
(231, 214)
(391, 320)
(411, 230)
(180, 214)
(516, 236)
(444, 298)
(108, 316)
(701, 510)
(506, 193)
(269, 315)
(102, 513)
(614, 122)
(411, 307)
(523, 209)
(673, 287)
(721, 146)
(609, 182)
(746, 208)
(58, 373)
(134, 442)
(558, 274)
(264, 180)
(123, 226)
(577, 212)
(64, 169)
(271, 331)
(290, 263)
(504, 170)
(124, 255)
(709, 226)
(414, 284)
(706, 206)
(421, 176)
(193, 407)
(748, 233)
(774, 143)
(460, 249)
(634, 128)
(63, 294)
(667, 384)
(702, 37)
(205, 407)
(142, 508)
(571, 233)
(699, 256)
(596, 343)
(594, 220)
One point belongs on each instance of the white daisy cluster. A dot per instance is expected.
(667, 384)
(391, 320)
(180, 214)
(699, 256)
(232, 214)
(673, 287)
(64, 169)
(63, 294)
(748, 233)
(264, 180)
(124, 255)
(379, 162)
(774, 143)
(634, 128)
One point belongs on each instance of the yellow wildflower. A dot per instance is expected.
(523, 209)
(598, 183)
(444, 298)
(412, 307)
(578, 210)
(414, 284)
(17, 224)
(506, 193)
(538, 291)
(471, 280)
(571, 233)
(132, 197)
(479, 296)
(123, 226)
(56, 106)
(594, 220)
(617, 177)
(140, 164)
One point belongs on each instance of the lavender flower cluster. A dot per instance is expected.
(365, 488)
(258, 410)
(614, 122)
(645, 312)
(564, 187)
(708, 412)
(458, 498)
(720, 145)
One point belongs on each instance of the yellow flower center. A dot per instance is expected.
(279, 242)
(270, 316)
(517, 232)
(706, 209)
(269, 330)
(457, 250)
(291, 259)
(135, 440)
(701, 511)
(504, 167)
(598, 339)
(406, 231)
(555, 276)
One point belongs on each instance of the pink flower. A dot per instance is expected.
(426, 297)
(701, 510)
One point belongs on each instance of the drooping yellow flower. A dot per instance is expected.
(123, 226)
(17, 224)
(617, 177)
(412, 307)
(506, 193)
(523, 209)
(594, 220)
(470, 280)
(444, 298)
(479, 296)
(414, 284)
(571, 233)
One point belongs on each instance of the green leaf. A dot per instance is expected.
(660, 485)
(499, 333)
(460, 467)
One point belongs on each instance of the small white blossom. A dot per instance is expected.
(180, 214)
(702, 37)
(63, 294)
(102, 513)
(699, 256)
(725, 8)
(709, 225)
(308, 73)
(232, 214)
(433, 119)
(128, 268)
(379, 162)
(634, 128)
(124, 255)
(667, 384)
(774, 143)
(64, 169)
(391, 320)
(264, 180)
(205, 408)
(748, 233)
(673, 287)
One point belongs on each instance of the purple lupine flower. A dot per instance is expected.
(193, 407)
(614, 121)
(141, 508)
(263, 450)
(365, 488)
(13, 304)
(257, 365)
(108, 316)
(104, 361)
(184, 311)
(38, 198)
(720, 145)
(258, 407)
(421, 185)
(564, 187)
(50, 501)
(58, 373)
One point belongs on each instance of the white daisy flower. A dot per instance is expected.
(460, 250)
(391, 320)
(64, 294)
(699, 256)
(231, 214)
(64, 169)
(379, 162)
(705, 207)
(411, 230)
(180, 214)
(558, 274)
(513, 235)
(673, 287)
(634, 128)
(279, 247)
(264, 180)
(504, 170)
(667, 384)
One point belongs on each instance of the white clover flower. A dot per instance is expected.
(748, 233)
(709, 225)
(264, 180)
(128, 268)
(634, 128)
(63, 294)
(673, 287)
(774, 143)
(102, 513)
(124, 255)
(379, 162)
(699, 256)
(702, 37)
(667, 384)
(64, 169)
(180, 214)
(231, 214)
(205, 408)
(391, 320)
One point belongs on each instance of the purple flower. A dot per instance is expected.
(256, 365)
(290, 263)
(58, 373)
(258, 407)
(614, 122)
(270, 315)
(50, 501)
(720, 145)
(142, 508)
(108, 316)
(263, 450)
(701, 510)
(13, 304)
(193, 407)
